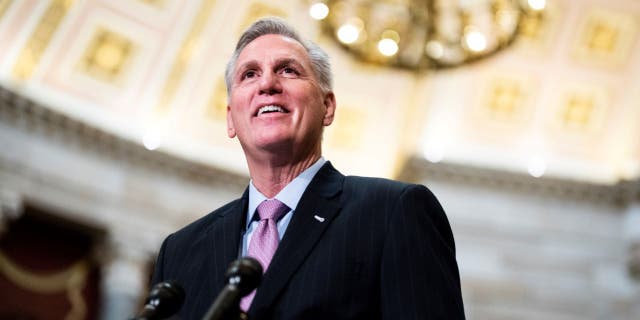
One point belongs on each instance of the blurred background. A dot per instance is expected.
(523, 117)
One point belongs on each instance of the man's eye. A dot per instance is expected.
(289, 71)
(248, 74)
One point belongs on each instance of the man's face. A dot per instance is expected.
(276, 103)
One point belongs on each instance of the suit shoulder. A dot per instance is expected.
(373, 184)
(197, 227)
(390, 190)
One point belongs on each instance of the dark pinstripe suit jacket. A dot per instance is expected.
(384, 251)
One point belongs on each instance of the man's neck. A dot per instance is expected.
(270, 179)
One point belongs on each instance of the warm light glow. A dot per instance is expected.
(506, 18)
(387, 47)
(109, 56)
(629, 169)
(151, 141)
(427, 34)
(537, 167)
(348, 33)
(475, 41)
(435, 49)
(434, 154)
(319, 11)
(537, 4)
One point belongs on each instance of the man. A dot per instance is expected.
(347, 247)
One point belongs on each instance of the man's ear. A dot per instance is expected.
(231, 130)
(330, 108)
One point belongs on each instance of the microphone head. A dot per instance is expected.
(245, 273)
(166, 298)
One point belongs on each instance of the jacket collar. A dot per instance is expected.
(316, 210)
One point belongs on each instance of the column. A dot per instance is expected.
(632, 234)
(124, 279)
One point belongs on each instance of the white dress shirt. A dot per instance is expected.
(290, 196)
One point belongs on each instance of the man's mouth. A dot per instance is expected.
(271, 109)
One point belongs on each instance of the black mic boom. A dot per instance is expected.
(243, 275)
(164, 300)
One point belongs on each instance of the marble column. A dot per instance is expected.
(124, 279)
(632, 233)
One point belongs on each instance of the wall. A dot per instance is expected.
(537, 248)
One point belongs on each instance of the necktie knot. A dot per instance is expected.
(272, 209)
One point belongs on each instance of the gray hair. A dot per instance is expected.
(319, 58)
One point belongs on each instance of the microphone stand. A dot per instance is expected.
(226, 306)
(243, 275)
(164, 300)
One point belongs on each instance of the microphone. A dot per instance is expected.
(164, 300)
(243, 275)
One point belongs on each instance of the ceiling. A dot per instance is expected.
(563, 102)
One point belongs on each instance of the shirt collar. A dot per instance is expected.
(291, 193)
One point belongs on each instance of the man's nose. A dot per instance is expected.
(270, 83)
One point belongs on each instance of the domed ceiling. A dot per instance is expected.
(564, 101)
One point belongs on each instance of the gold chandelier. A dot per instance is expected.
(424, 34)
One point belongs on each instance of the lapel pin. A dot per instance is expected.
(319, 218)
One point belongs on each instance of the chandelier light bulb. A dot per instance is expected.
(319, 11)
(475, 41)
(348, 33)
(435, 34)
(388, 47)
(537, 5)
(435, 49)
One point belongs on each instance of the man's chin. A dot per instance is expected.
(272, 138)
(270, 145)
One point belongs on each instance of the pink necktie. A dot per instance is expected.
(264, 240)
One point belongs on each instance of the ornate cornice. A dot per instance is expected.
(27, 115)
(419, 169)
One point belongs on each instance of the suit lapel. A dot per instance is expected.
(222, 244)
(316, 210)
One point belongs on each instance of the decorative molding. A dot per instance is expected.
(605, 37)
(623, 193)
(71, 280)
(107, 56)
(40, 38)
(4, 4)
(25, 114)
(190, 46)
